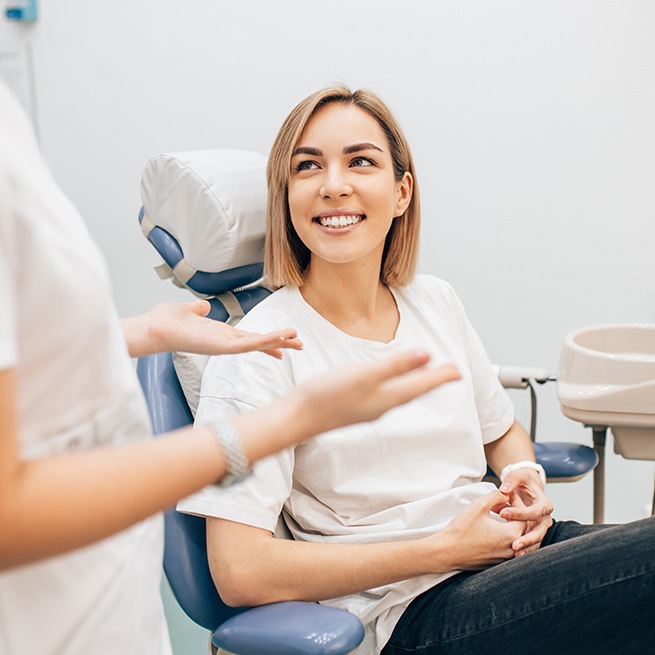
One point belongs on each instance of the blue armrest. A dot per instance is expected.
(563, 461)
(290, 628)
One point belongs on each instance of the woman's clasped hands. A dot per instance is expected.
(506, 523)
(528, 503)
(478, 537)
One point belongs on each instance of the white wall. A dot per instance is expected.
(531, 123)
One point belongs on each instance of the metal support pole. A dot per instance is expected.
(533, 411)
(600, 438)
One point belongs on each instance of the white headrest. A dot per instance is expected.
(213, 202)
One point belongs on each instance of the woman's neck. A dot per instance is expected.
(353, 299)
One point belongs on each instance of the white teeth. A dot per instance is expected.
(338, 221)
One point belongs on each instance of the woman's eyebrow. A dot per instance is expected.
(306, 150)
(358, 147)
(348, 150)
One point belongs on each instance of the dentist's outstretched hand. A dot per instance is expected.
(184, 326)
(341, 397)
(366, 391)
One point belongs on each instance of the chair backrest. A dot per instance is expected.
(204, 212)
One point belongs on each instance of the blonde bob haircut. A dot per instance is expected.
(286, 256)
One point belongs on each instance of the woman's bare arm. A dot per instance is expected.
(251, 567)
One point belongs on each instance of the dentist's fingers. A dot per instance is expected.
(364, 392)
(339, 398)
(184, 326)
(406, 377)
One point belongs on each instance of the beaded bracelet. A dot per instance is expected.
(236, 460)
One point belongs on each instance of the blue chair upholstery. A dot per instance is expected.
(288, 628)
(565, 461)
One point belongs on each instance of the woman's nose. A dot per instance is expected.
(335, 184)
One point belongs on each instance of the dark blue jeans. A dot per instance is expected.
(588, 589)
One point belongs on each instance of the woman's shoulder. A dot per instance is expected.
(274, 312)
(428, 293)
(429, 285)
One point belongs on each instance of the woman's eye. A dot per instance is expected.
(306, 166)
(361, 161)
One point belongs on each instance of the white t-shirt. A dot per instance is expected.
(403, 476)
(77, 390)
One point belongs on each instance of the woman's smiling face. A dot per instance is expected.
(343, 195)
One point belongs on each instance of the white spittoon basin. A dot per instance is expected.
(607, 379)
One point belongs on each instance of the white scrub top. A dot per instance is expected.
(76, 390)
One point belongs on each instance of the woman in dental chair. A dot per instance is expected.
(80, 561)
(391, 519)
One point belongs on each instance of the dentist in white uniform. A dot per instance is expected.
(80, 559)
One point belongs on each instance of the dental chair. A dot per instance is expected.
(204, 213)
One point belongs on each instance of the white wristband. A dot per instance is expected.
(524, 465)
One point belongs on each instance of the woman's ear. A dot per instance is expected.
(404, 190)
